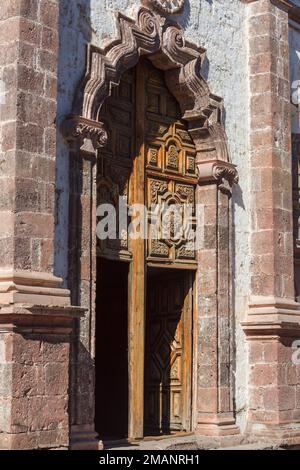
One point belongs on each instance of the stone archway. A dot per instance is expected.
(163, 43)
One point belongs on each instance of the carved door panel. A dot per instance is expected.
(171, 174)
(143, 122)
(116, 161)
(168, 353)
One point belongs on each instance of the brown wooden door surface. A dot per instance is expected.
(150, 160)
(168, 355)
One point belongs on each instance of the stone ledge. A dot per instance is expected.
(222, 424)
(272, 316)
(38, 319)
(36, 288)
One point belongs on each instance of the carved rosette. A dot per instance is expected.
(87, 134)
(217, 171)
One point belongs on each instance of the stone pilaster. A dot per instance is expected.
(215, 411)
(35, 314)
(85, 137)
(273, 319)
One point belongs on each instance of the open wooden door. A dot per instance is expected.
(168, 358)
(151, 161)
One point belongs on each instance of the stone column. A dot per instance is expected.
(35, 313)
(215, 411)
(273, 320)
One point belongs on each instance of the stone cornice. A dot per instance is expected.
(283, 4)
(32, 288)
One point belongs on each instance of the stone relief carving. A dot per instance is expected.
(227, 173)
(80, 130)
(217, 170)
(166, 6)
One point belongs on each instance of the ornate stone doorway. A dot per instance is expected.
(186, 161)
(150, 160)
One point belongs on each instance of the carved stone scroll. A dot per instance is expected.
(88, 135)
(217, 170)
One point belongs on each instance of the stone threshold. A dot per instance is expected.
(192, 442)
(186, 442)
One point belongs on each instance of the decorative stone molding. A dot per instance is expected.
(167, 49)
(271, 316)
(88, 135)
(18, 317)
(217, 170)
(27, 287)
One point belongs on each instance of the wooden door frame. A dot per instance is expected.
(137, 286)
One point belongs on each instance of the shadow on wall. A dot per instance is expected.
(184, 20)
(74, 33)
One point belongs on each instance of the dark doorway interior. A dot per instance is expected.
(111, 418)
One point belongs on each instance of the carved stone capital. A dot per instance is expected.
(217, 171)
(87, 134)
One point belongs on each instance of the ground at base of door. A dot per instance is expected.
(196, 443)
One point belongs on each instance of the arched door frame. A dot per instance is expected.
(164, 44)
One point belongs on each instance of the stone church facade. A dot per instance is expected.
(192, 101)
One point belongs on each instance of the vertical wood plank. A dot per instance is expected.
(187, 319)
(136, 321)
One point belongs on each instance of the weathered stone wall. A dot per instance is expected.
(35, 323)
(220, 27)
(34, 391)
(294, 42)
(28, 63)
(273, 316)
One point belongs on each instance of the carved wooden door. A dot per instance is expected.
(171, 181)
(168, 358)
(150, 160)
